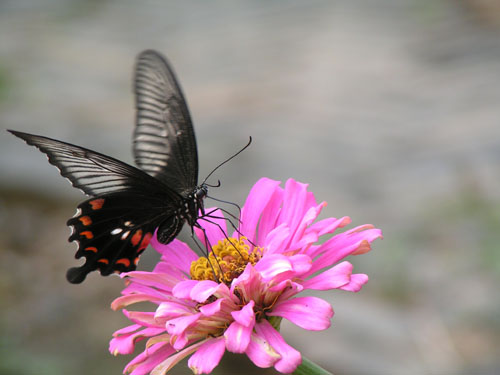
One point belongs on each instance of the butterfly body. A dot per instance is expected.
(128, 204)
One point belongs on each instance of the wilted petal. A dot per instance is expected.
(207, 356)
(310, 313)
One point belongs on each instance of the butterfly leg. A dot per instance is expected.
(206, 251)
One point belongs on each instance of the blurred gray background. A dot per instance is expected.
(389, 109)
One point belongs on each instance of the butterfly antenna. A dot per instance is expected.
(214, 186)
(230, 158)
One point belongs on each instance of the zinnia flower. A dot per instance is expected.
(235, 300)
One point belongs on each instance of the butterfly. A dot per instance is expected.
(127, 204)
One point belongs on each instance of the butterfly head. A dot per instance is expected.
(199, 195)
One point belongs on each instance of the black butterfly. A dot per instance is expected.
(115, 226)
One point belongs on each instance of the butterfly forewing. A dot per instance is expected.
(93, 173)
(164, 143)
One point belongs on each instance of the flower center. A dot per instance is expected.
(227, 259)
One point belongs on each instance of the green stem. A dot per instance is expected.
(310, 368)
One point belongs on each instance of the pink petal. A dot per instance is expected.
(203, 289)
(155, 293)
(211, 308)
(124, 301)
(342, 245)
(208, 356)
(177, 326)
(213, 225)
(277, 239)
(257, 200)
(301, 263)
(310, 313)
(333, 278)
(159, 281)
(270, 214)
(288, 288)
(176, 252)
(238, 337)
(294, 204)
(290, 358)
(248, 283)
(273, 264)
(261, 353)
(310, 215)
(246, 315)
(356, 283)
(183, 289)
(125, 343)
(146, 319)
(330, 225)
(171, 309)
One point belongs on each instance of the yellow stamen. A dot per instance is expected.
(228, 259)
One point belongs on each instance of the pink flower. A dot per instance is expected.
(273, 256)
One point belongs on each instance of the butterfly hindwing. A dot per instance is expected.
(111, 232)
(164, 143)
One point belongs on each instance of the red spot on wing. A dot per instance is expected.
(103, 260)
(86, 220)
(91, 248)
(136, 237)
(136, 261)
(145, 241)
(97, 203)
(87, 234)
(123, 261)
